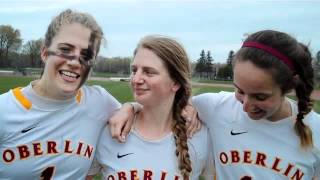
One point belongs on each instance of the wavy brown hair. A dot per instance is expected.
(176, 61)
(300, 79)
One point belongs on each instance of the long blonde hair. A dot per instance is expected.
(177, 63)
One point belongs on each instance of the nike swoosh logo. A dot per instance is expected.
(27, 129)
(237, 133)
(123, 155)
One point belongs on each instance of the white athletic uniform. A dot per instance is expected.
(150, 160)
(51, 139)
(256, 149)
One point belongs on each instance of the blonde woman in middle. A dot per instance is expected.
(157, 146)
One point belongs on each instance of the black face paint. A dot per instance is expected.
(90, 57)
(90, 50)
(86, 57)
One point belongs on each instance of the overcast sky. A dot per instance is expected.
(215, 25)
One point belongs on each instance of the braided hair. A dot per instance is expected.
(177, 63)
(299, 76)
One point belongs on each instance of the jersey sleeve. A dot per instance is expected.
(1, 128)
(312, 120)
(109, 104)
(103, 156)
(209, 169)
(95, 168)
(205, 105)
(317, 171)
(5, 106)
(1, 122)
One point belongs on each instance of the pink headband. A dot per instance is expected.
(271, 51)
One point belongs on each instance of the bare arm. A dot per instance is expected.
(190, 114)
(121, 122)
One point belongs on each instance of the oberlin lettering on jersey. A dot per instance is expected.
(276, 164)
(36, 149)
(134, 174)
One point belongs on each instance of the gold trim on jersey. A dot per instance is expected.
(27, 104)
(21, 98)
(79, 96)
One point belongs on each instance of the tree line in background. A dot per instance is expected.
(15, 54)
(206, 69)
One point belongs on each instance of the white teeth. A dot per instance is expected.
(70, 74)
(257, 111)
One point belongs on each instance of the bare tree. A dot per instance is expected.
(316, 68)
(115, 65)
(32, 49)
(9, 41)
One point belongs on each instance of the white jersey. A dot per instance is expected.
(47, 139)
(256, 149)
(153, 160)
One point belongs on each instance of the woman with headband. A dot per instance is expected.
(257, 131)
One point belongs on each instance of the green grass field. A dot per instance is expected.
(119, 90)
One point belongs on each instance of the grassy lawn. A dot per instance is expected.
(103, 74)
(7, 82)
(211, 81)
(119, 90)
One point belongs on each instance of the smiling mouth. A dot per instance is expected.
(69, 74)
(140, 91)
(257, 112)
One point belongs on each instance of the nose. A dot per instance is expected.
(246, 103)
(75, 61)
(137, 78)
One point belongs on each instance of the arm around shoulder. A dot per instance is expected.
(121, 122)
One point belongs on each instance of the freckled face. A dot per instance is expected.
(256, 90)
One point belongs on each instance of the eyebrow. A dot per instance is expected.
(263, 93)
(144, 67)
(86, 50)
(66, 44)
